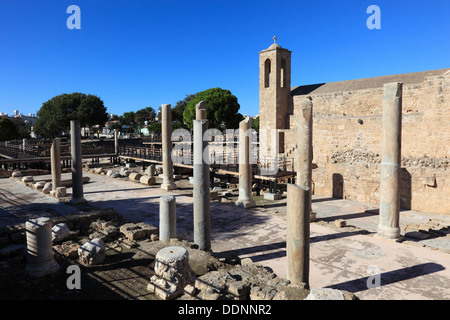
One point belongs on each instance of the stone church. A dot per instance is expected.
(347, 127)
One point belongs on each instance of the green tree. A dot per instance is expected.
(127, 118)
(8, 130)
(145, 114)
(255, 123)
(221, 109)
(55, 114)
(178, 110)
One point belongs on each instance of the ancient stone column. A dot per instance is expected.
(166, 128)
(389, 219)
(77, 164)
(116, 142)
(297, 235)
(167, 218)
(202, 219)
(39, 247)
(55, 155)
(172, 273)
(245, 168)
(305, 150)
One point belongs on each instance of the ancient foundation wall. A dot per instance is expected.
(347, 128)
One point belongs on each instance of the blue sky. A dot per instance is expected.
(135, 54)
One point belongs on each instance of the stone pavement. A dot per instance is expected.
(344, 258)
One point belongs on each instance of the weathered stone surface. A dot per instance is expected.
(47, 188)
(138, 231)
(147, 180)
(60, 232)
(17, 174)
(92, 252)
(59, 192)
(134, 176)
(340, 223)
(249, 281)
(172, 273)
(325, 294)
(39, 247)
(27, 179)
(39, 184)
(272, 196)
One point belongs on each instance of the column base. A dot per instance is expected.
(386, 232)
(168, 186)
(245, 203)
(78, 200)
(43, 268)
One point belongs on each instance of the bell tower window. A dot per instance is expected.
(267, 73)
(283, 73)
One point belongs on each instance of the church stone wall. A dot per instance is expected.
(347, 144)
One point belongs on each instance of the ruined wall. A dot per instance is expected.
(347, 144)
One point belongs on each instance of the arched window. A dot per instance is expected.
(283, 73)
(267, 73)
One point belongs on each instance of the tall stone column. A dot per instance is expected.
(202, 215)
(297, 235)
(166, 128)
(167, 218)
(77, 164)
(389, 220)
(39, 247)
(245, 168)
(116, 142)
(55, 156)
(305, 150)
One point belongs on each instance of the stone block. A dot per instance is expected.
(47, 188)
(92, 252)
(17, 174)
(60, 232)
(147, 180)
(272, 196)
(60, 192)
(325, 294)
(27, 179)
(340, 223)
(172, 273)
(138, 231)
(134, 176)
(39, 184)
(213, 195)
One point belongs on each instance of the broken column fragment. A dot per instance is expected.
(297, 234)
(245, 168)
(172, 273)
(55, 155)
(39, 247)
(77, 162)
(167, 218)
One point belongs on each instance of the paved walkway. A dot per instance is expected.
(344, 258)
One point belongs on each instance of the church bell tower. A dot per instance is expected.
(274, 88)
